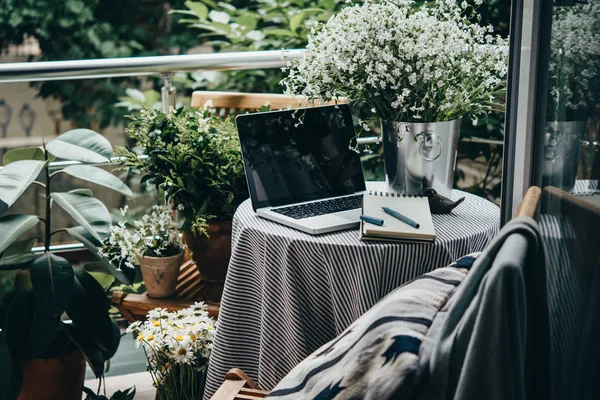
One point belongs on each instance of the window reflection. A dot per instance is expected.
(570, 220)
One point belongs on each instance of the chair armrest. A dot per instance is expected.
(238, 386)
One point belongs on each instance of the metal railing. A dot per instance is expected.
(143, 66)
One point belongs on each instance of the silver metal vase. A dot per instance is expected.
(420, 155)
(562, 151)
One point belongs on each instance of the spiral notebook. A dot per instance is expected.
(413, 207)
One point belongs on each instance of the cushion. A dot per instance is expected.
(377, 357)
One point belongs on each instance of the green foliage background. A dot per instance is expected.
(89, 29)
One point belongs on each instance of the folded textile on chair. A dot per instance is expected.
(377, 357)
(492, 338)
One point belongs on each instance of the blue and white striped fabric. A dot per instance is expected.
(287, 293)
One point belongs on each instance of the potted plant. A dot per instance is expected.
(56, 317)
(152, 243)
(421, 69)
(195, 158)
(177, 347)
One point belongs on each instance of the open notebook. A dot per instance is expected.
(413, 207)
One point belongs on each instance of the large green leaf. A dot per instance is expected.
(20, 247)
(43, 332)
(88, 309)
(90, 349)
(13, 226)
(198, 8)
(82, 145)
(98, 271)
(29, 330)
(80, 233)
(25, 153)
(52, 279)
(10, 373)
(98, 176)
(89, 212)
(5, 367)
(15, 178)
(17, 261)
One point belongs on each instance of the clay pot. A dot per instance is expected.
(160, 275)
(211, 255)
(59, 378)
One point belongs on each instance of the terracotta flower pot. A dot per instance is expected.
(211, 255)
(160, 275)
(59, 378)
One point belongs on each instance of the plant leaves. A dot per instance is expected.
(52, 279)
(279, 32)
(29, 330)
(16, 177)
(82, 145)
(25, 153)
(98, 176)
(17, 261)
(98, 271)
(87, 211)
(136, 95)
(81, 234)
(19, 247)
(83, 191)
(5, 367)
(88, 308)
(198, 8)
(90, 350)
(13, 226)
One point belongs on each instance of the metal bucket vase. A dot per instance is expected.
(420, 155)
(562, 150)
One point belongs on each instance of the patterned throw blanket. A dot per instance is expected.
(377, 357)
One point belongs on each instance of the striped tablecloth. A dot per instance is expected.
(287, 292)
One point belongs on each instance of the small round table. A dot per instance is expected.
(287, 292)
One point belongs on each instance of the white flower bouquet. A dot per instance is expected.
(574, 69)
(153, 235)
(409, 63)
(177, 347)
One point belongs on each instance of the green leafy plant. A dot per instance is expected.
(55, 307)
(91, 29)
(256, 25)
(194, 157)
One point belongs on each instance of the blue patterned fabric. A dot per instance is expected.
(377, 356)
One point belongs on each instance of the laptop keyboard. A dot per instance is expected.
(323, 207)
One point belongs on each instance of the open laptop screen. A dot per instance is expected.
(299, 155)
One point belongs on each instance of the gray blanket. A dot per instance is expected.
(492, 339)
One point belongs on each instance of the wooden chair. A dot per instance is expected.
(232, 103)
(238, 386)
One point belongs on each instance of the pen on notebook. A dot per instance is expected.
(401, 217)
(372, 220)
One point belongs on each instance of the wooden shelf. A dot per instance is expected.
(190, 288)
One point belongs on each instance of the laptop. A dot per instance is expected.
(300, 169)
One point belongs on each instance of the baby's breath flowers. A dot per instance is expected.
(153, 235)
(177, 347)
(574, 69)
(411, 64)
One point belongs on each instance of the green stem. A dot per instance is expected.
(47, 225)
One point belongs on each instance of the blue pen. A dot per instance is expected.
(371, 220)
(401, 217)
